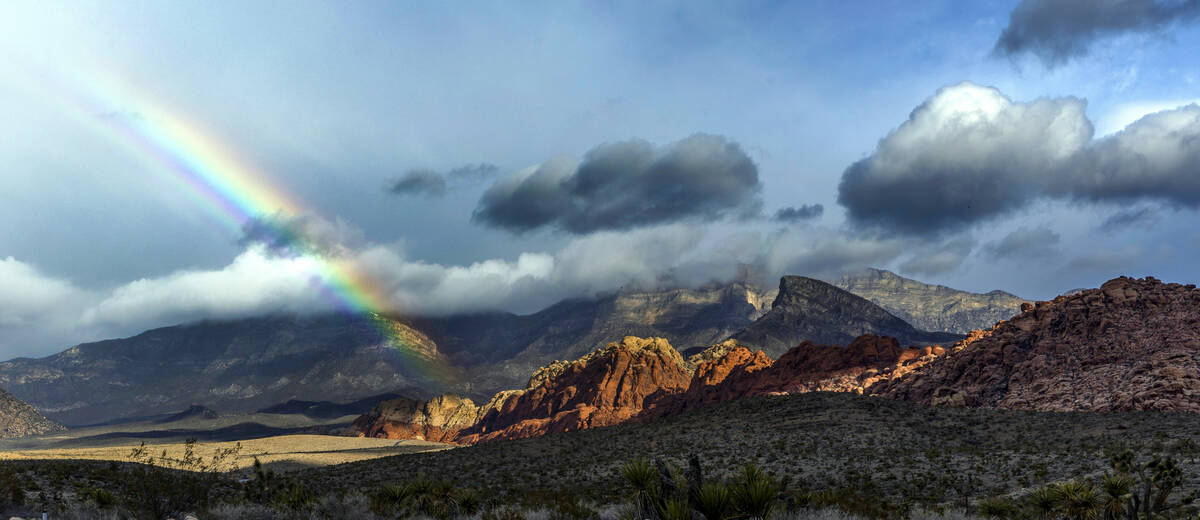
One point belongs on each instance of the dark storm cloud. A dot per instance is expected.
(969, 154)
(430, 183)
(1024, 243)
(1155, 158)
(1058, 30)
(1145, 216)
(419, 182)
(796, 214)
(627, 185)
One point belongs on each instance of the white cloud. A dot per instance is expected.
(1124, 114)
(255, 282)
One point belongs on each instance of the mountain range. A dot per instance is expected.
(1129, 345)
(253, 363)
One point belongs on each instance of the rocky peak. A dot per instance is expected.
(1132, 344)
(811, 310)
(607, 386)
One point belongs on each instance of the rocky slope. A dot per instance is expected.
(931, 307)
(18, 418)
(808, 367)
(439, 419)
(641, 379)
(811, 310)
(1129, 345)
(231, 366)
(245, 365)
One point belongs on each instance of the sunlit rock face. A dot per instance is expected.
(1132, 344)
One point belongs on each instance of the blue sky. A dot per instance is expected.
(337, 100)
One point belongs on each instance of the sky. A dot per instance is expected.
(468, 157)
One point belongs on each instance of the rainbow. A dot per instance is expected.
(238, 195)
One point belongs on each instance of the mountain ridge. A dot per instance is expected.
(930, 306)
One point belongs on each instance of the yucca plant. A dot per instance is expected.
(755, 494)
(675, 509)
(643, 477)
(996, 507)
(1043, 501)
(1077, 499)
(714, 500)
(1117, 495)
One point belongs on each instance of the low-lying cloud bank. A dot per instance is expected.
(969, 154)
(41, 314)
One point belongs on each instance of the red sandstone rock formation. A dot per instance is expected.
(606, 387)
(804, 368)
(1129, 345)
(641, 379)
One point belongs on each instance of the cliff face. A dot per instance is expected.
(18, 418)
(931, 307)
(641, 379)
(608, 386)
(808, 367)
(1129, 345)
(811, 310)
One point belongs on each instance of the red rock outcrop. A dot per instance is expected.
(1132, 344)
(606, 387)
(642, 379)
(438, 420)
(740, 373)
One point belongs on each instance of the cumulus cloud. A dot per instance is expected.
(1154, 158)
(1025, 242)
(795, 214)
(430, 183)
(419, 182)
(968, 154)
(941, 259)
(627, 185)
(1059, 30)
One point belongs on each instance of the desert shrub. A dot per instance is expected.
(425, 496)
(997, 507)
(755, 494)
(102, 498)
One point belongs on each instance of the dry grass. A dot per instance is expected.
(280, 454)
